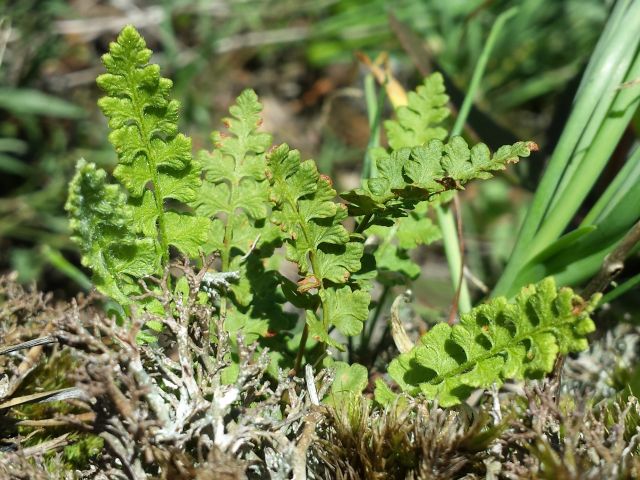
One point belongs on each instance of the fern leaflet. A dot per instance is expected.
(420, 120)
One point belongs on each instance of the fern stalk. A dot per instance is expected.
(370, 170)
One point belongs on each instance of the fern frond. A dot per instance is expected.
(234, 193)
(495, 342)
(304, 209)
(411, 175)
(325, 252)
(235, 196)
(100, 222)
(151, 152)
(420, 120)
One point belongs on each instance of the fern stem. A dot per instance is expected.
(314, 269)
(162, 229)
(225, 256)
(370, 170)
(301, 349)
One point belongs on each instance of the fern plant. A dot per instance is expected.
(249, 207)
(325, 252)
(155, 162)
(420, 165)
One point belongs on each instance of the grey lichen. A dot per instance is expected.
(171, 409)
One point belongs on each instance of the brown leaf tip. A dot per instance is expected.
(327, 179)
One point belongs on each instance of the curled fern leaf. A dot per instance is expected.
(100, 222)
(495, 342)
(150, 150)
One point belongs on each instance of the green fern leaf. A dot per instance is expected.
(437, 165)
(419, 121)
(345, 309)
(394, 243)
(305, 211)
(411, 175)
(394, 264)
(417, 228)
(319, 332)
(235, 189)
(495, 342)
(235, 196)
(257, 311)
(150, 150)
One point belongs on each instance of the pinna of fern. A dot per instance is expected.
(420, 120)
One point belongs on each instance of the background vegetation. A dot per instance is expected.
(299, 57)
